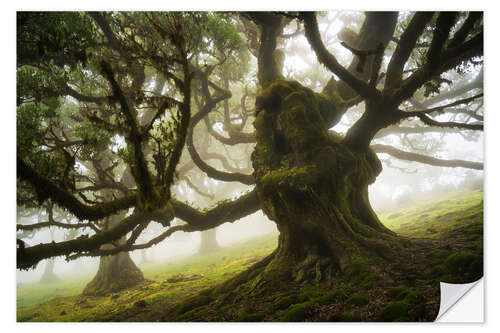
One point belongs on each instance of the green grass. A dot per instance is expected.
(457, 218)
(433, 218)
(62, 301)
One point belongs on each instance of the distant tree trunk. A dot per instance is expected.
(48, 275)
(144, 256)
(208, 242)
(115, 273)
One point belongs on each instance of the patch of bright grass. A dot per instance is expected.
(62, 301)
(430, 219)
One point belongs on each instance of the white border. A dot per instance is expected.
(7, 167)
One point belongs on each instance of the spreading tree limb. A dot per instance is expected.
(408, 156)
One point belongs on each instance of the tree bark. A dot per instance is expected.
(315, 187)
(116, 272)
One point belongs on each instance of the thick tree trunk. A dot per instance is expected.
(208, 242)
(48, 275)
(116, 272)
(314, 187)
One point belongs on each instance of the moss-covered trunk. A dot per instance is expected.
(314, 187)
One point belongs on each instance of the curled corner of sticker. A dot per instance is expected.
(451, 295)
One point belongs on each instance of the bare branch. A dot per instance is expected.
(431, 122)
(47, 189)
(440, 109)
(405, 46)
(327, 59)
(408, 156)
(39, 225)
(465, 29)
(29, 257)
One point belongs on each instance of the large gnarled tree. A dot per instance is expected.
(78, 92)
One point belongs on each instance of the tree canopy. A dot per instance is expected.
(123, 113)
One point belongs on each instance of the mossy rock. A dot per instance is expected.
(358, 300)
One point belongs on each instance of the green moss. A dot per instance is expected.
(403, 309)
(439, 254)
(393, 311)
(244, 316)
(478, 247)
(413, 298)
(342, 292)
(358, 300)
(225, 308)
(459, 264)
(298, 178)
(285, 301)
(438, 271)
(296, 312)
(309, 294)
(367, 285)
(191, 314)
(328, 298)
(359, 271)
(358, 266)
(457, 214)
(398, 293)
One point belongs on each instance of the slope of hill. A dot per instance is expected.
(449, 231)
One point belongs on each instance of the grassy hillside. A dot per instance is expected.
(430, 219)
(452, 227)
(61, 301)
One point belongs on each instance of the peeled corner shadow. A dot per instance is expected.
(451, 294)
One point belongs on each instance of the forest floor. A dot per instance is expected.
(449, 231)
